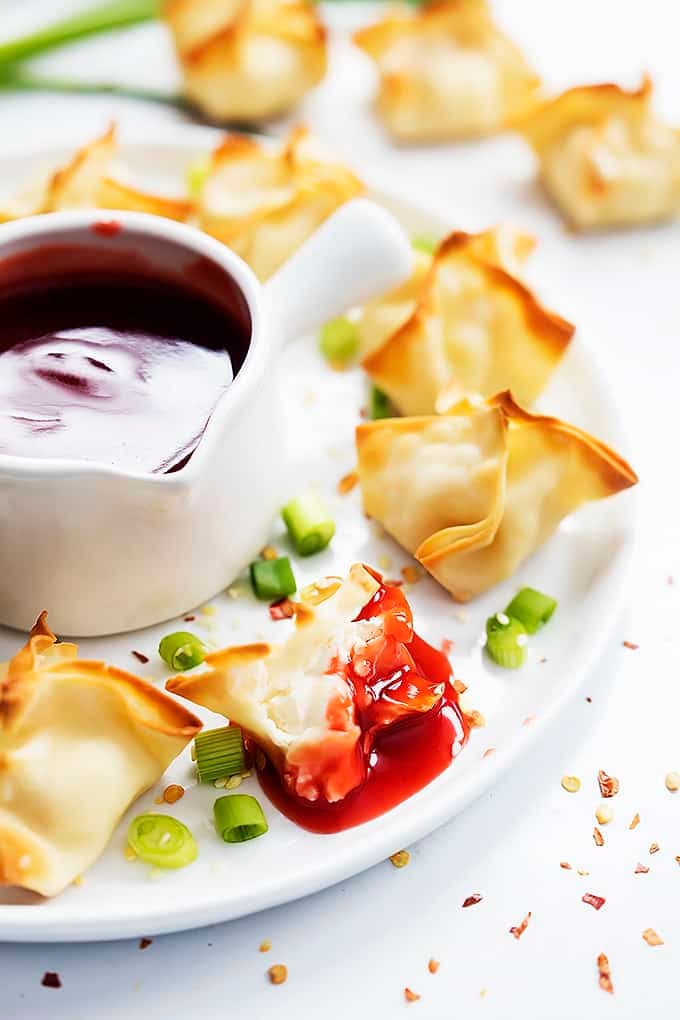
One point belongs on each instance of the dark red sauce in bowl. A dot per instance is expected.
(110, 355)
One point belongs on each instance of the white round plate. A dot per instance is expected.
(584, 566)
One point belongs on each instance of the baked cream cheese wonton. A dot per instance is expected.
(446, 71)
(264, 202)
(245, 60)
(604, 158)
(464, 324)
(315, 704)
(473, 492)
(90, 179)
(79, 742)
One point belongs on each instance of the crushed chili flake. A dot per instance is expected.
(411, 574)
(651, 937)
(635, 822)
(593, 901)
(145, 943)
(677, 860)
(282, 609)
(598, 838)
(189, 619)
(473, 898)
(265, 946)
(173, 793)
(278, 973)
(529, 721)
(641, 869)
(475, 719)
(489, 751)
(609, 785)
(518, 930)
(654, 848)
(141, 657)
(347, 483)
(400, 859)
(604, 974)
(51, 979)
(630, 644)
(433, 965)
(459, 687)
(447, 646)
(566, 865)
(410, 996)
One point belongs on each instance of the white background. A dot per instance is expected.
(352, 949)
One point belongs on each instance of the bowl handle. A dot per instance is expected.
(359, 252)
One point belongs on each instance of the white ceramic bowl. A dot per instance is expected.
(108, 550)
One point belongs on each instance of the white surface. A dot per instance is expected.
(352, 949)
(584, 567)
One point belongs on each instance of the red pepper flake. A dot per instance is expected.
(282, 609)
(631, 644)
(106, 228)
(347, 483)
(519, 929)
(654, 848)
(433, 965)
(141, 657)
(598, 837)
(609, 785)
(489, 751)
(51, 979)
(410, 996)
(145, 943)
(604, 974)
(470, 901)
(459, 687)
(529, 721)
(447, 646)
(566, 865)
(635, 822)
(593, 901)
(641, 869)
(189, 619)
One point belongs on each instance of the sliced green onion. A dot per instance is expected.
(238, 818)
(309, 524)
(379, 405)
(197, 174)
(532, 608)
(428, 245)
(339, 341)
(219, 753)
(162, 841)
(506, 640)
(182, 650)
(272, 579)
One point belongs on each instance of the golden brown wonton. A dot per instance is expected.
(469, 326)
(265, 202)
(447, 71)
(472, 493)
(604, 158)
(246, 60)
(85, 182)
(79, 742)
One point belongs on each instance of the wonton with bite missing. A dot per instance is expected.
(605, 159)
(466, 324)
(473, 492)
(79, 742)
(446, 71)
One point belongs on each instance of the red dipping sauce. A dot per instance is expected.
(106, 357)
(404, 749)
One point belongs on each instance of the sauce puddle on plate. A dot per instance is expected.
(106, 358)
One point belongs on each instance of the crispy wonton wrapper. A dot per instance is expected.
(86, 182)
(472, 493)
(604, 158)
(446, 71)
(79, 742)
(265, 202)
(246, 60)
(471, 326)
